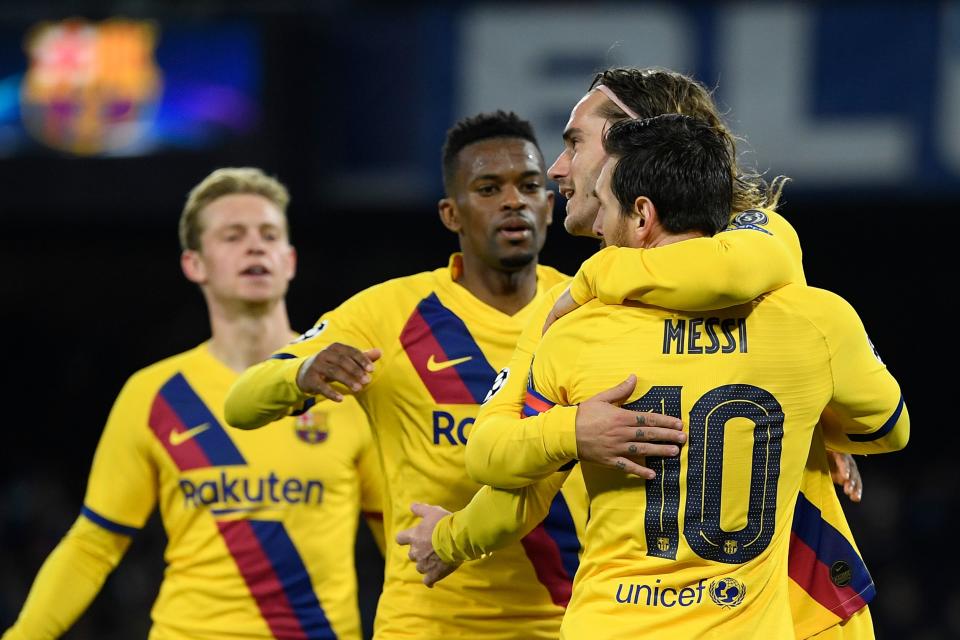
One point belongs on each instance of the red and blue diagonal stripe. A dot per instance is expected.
(177, 407)
(534, 403)
(277, 579)
(554, 550)
(815, 546)
(435, 331)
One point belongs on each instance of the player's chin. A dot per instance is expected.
(579, 223)
(515, 260)
(260, 294)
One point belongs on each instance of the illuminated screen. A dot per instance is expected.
(125, 87)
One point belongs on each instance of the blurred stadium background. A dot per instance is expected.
(347, 103)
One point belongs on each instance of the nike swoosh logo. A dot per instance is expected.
(433, 365)
(179, 437)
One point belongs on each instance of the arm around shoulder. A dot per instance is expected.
(727, 269)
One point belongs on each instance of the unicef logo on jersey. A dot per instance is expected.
(752, 217)
(727, 593)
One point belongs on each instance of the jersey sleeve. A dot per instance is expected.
(121, 494)
(517, 440)
(268, 390)
(68, 581)
(493, 519)
(122, 487)
(867, 413)
(730, 268)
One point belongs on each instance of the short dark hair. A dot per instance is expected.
(682, 164)
(483, 126)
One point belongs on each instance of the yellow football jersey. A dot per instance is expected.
(442, 348)
(701, 273)
(702, 550)
(822, 535)
(260, 525)
(728, 268)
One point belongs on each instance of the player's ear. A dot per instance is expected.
(193, 267)
(643, 219)
(551, 197)
(449, 215)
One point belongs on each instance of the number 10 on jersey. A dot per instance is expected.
(701, 523)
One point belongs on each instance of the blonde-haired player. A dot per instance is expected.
(260, 526)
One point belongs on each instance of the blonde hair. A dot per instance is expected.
(224, 182)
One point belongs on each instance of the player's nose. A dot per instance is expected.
(598, 227)
(256, 245)
(560, 167)
(512, 198)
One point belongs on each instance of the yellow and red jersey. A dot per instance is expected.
(260, 525)
(442, 348)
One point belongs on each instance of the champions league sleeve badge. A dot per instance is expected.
(753, 219)
(312, 333)
(498, 383)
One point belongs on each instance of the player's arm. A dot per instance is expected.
(113, 511)
(867, 413)
(68, 581)
(505, 439)
(519, 438)
(730, 268)
(493, 519)
(337, 355)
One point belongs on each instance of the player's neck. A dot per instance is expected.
(663, 239)
(506, 291)
(243, 335)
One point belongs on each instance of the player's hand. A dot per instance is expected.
(622, 439)
(337, 363)
(420, 539)
(564, 305)
(844, 471)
